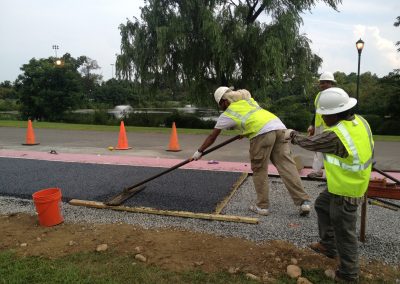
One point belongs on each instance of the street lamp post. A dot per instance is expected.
(112, 71)
(359, 46)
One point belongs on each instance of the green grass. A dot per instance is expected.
(389, 138)
(99, 268)
(90, 127)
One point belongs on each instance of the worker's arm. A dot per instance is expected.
(207, 143)
(210, 139)
(326, 142)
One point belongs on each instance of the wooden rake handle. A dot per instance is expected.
(183, 162)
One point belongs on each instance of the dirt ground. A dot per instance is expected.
(169, 249)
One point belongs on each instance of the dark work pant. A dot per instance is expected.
(337, 225)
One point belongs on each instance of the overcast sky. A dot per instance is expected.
(90, 27)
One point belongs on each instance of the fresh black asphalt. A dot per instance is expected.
(182, 190)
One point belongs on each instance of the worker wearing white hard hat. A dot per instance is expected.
(347, 146)
(326, 80)
(266, 134)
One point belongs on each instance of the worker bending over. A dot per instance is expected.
(347, 145)
(266, 133)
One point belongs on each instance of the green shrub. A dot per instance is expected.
(188, 121)
(389, 127)
(8, 105)
(375, 122)
(145, 119)
(101, 117)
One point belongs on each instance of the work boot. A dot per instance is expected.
(305, 208)
(315, 175)
(339, 277)
(319, 248)
(258, 210)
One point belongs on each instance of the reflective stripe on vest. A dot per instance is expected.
(248, 116)
(350, 176)
(244, 118)
(371, 141)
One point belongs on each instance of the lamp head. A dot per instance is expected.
(360, 45)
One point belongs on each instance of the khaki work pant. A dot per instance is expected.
(272, 146)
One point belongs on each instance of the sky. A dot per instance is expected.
(29, 29)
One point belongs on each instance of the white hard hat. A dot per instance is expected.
(334, 100)
(327, 76)
(219, 93)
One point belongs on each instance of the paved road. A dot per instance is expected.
(387, 154)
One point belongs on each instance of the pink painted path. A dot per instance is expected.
(150, 162)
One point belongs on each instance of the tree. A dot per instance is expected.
(8, 96)
(90, 80)
(115, 92)
(390, 85)
(397, 24)
(46, 90)
(7, 91)
(194, 46)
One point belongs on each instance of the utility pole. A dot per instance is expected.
(112, 71)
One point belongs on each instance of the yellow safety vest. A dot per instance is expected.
(350, 176)
(318, 117)
(249, 116)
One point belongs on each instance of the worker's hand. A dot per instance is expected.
(311, 130)
(197, 155)
(287, 134)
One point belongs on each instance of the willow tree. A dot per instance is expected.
(193, 46)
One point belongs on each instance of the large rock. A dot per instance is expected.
(102, 247)
(293, 271)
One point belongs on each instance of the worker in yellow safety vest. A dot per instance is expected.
(266, 134)
(347, 145)
(326, 81)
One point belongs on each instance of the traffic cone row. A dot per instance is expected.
(122, 139)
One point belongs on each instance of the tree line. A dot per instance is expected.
(179, 52)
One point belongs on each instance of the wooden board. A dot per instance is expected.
(184, 214)
(235, 187)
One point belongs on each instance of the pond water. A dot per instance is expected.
(202, 113)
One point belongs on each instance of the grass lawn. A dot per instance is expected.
(92, 127)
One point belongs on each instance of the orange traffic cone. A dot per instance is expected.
(30, 135)
(122, 140)
(173, 142)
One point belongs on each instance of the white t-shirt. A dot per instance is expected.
(225, 122)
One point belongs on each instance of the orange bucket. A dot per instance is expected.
(48, 206)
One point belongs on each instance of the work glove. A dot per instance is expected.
(287, 134)
(311, 130)
(197, 155)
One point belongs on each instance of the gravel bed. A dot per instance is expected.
(283, 223)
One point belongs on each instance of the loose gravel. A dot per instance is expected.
(284, 222)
